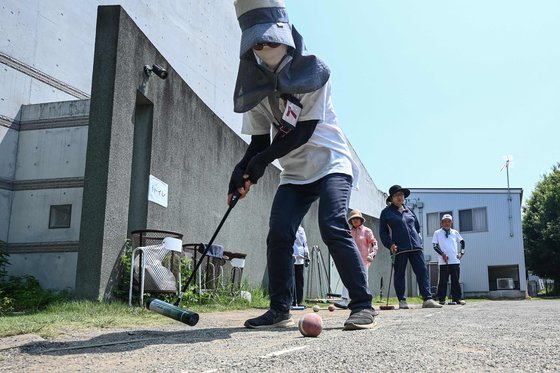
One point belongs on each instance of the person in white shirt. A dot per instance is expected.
(446, 241)
(285, 93)
(301, 260)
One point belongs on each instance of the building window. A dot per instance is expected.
(434, 221)
(60, 216)
(473, 220)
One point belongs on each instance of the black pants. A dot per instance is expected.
(298, 289)
(446, 271)
(416, 259)
(290, 205)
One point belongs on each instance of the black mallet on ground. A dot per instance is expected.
(173, 310)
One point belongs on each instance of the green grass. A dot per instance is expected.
(59, 317)
(75, 315)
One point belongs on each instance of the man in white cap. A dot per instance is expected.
(446, 241)
(285, 92)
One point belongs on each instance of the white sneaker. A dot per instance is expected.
(430, 303)
(403, 305)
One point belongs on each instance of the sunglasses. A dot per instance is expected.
(260, 46)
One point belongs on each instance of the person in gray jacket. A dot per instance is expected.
(399, 230)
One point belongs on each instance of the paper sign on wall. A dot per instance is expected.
(157, 191)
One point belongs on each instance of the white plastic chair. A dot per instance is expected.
(155, 270)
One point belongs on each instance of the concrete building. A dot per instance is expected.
(74, 171)
(42, 190)
(490, 222)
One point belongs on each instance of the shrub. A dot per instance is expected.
(25, 294)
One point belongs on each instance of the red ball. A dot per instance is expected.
(331, 308)
(310, 325)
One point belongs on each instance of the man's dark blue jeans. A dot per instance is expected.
(290, 205)
(416, 258)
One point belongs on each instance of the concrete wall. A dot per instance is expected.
(368, 199)
(5, 208)
(169, 132)
(200, 39)
(8, 151)
(30, 215)
(56, 270)
(48, 170)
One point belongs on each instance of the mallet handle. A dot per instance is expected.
(234, 199)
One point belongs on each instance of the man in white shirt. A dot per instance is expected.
(284, 91)
(446, 241)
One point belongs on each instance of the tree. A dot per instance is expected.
(541, 228)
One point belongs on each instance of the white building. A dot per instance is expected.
(489, 220)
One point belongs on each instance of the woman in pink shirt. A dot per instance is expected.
(367, 246)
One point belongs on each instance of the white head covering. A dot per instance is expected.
(263, 21)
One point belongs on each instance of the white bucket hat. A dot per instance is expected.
(447, 216)
(263, 21)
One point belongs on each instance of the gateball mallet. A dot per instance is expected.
(173, 310)
(387, 307)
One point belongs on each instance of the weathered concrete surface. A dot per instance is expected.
(498, 336)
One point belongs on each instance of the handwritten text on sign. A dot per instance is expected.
(157, 191)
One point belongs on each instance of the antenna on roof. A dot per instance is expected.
(508, 163)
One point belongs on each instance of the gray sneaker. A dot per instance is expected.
(270, 319)
(403, 305)
(430, 303)
(362, 319)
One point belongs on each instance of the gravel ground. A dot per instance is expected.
(489, 336)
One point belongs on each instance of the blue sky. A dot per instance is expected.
(435, 93)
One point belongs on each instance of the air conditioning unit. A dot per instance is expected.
(505, 284)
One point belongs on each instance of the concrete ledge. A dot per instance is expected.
(67, 182)
(42, 247)
(507, 294)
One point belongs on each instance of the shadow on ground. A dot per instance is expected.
(132, 340)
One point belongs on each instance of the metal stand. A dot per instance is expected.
(318, 275)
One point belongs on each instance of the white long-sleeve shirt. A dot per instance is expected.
(300, 246)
